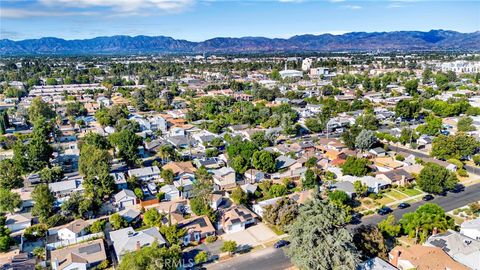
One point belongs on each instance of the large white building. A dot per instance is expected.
(461, 66)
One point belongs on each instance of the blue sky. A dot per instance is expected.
(198, 20)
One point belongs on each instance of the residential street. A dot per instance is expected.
(266, 259)
(449, 202)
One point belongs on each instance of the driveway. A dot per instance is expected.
(252, 236)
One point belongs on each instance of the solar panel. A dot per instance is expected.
(90, 249)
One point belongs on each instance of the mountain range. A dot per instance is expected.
(434, 40)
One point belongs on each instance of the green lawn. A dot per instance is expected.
(411, 192)
(385, 200)
(397, 195)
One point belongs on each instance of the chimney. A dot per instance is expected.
(394, 257)
(138, 245)
(435, 231)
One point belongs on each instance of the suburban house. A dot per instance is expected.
(128, 240)
(237, 218)
(374, 185)
(180, 169)
(120, 180)
(131, 215)
(375, 264)
(69, 231)
(378, 152)
(145, 174)
(170, 192)
(197, 228)
(184, 185)
(216, 200)
(224, 178)
(422, 257)
(254, 176)
(471, 228)
(18, 222)
(209, 162)
(65, 188)
(85, 255)
(461, 248)
(396, 177)
(124, 198)
(345, 186)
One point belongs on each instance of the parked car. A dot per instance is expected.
(458, 188)
(145, 191)
(281, 243)
(427, 197)
(384, 211)
(403, 205)
(356, 218)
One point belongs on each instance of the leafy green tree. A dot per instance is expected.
(264, 161)
(96, 140)
(127, 143)
(10, 175)
(339, 197)
(5, 240)
(407, 108)
(367, 121)
(456, 146)
(365, 140)
(411, 87)
(277, 190)
(370, 242)
(98, 226)
(50, 175)
(9, 201)
(40, 109)
(282, 213)
(407, 136)
(117, 221)
(152, 257)
(319, 239)
(476, 159)
(420, 224)
(172, 234)
(434, 178)
(93, 161)
(389, 226)
(311, 162)
(229, 246)
(44, 202)
(309, 180)
(239, 164)
(432, 126)
(75, 109)
(239, 196)
(168, 176)
(260, 139)
(356, 166)
(201, 257)
(360, 189)
(465, 124)
(152, 218)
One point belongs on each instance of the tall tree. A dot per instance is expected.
(319, 239)
(40, 109)
(9, 201)
(127, 143)
(369, 240)
(10, 175)
(434, 178)
(44, 202)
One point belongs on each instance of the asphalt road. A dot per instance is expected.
(265, 259)
(448, 203)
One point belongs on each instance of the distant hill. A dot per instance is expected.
(434, 40)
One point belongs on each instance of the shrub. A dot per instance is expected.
(210, 239)
(462, 173)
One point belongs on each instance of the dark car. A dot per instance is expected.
(403, 205)
(281, 243)
(458, 188)
(384, 210)
(427, 197)
(356, 218)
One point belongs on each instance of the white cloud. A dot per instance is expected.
(15, 13)
(353, 7)
(337, 1)
(290, 1)
(126, 5)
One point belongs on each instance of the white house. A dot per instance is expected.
(224, 178)
(471, 228)
(128, 240)
(70, 231)
(171, 192)
(18, 222)
(125, 198)
(146, 173)
(237, 218)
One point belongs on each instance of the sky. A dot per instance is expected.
(198, 20)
